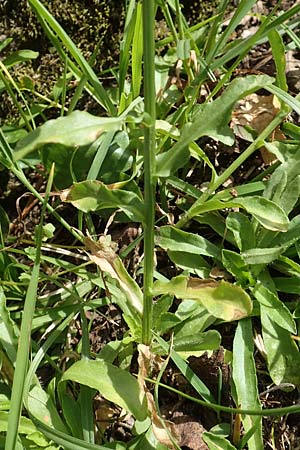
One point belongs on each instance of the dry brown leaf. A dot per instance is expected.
(145, 360)
(189, 431)
(258, 111)
(103, 253)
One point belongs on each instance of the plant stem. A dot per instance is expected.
(233, 167)
(149, 165)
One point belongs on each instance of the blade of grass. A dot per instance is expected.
(25, 334)
(83, 80)
(86, 393)
(212, 36)
(258, 38)
(273, 412)
(187, 372)
(126, 44)
(137, 52)
(244, 377)
(149, 165)
(278, 51)
(8, 82)
(240, 12)
(102, 95)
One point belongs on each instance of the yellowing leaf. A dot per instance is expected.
(93, 195)
(222, 299)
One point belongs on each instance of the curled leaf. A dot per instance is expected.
(103, 253)
(93, 195)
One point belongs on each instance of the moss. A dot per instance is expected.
(85, 21)
(197, 10)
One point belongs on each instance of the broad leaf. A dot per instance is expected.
(114, 384)
(195, 264)
(284, 185)
(222, 299)
(277, 311)
(266, 212)
(283, 355)
(26, 427)
(211, 121)
(41, 406)
(175, 240)
(235, 264)
(261, 255)
(78, 129)
(19, 57)
(215, 442)
(245, 381)
(289, 238)
(282, 352)
(196, 343)
(288, 285)
(242, 230)
(93, 195)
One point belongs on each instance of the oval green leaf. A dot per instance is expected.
(115, 384)
(78, 129)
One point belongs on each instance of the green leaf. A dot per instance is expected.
(198, 342)
(195, 264)
(266, 212)
(41, 406)
(242, 230)
(261, 255)
(211, 121)
(184, 368)
(8, 330)
(26, 426)
(282, 352)
(283, 355)
(78, 129)
(93, 195)
(19, 57)
(277, 311)
(278, 51)
(194, 318)
(114, 384)
(216, 442)
(284, 186)
(173, 239)
(288, 285)
(222, 299)
(235, 264)
(245, 380)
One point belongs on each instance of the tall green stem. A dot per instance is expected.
(25, 335)
(149, 164)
